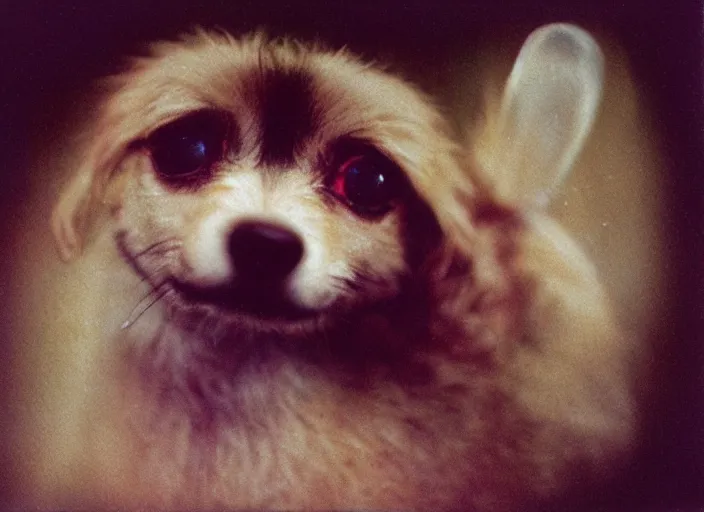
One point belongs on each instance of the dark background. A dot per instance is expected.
(49, 51)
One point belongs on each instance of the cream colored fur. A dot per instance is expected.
(522, 392)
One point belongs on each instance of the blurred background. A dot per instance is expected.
(634, 201)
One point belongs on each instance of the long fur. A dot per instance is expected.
(498, 378)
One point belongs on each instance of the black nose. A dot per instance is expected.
(263, 253)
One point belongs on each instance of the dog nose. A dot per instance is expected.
(264, 253)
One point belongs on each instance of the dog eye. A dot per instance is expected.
(189, 145)
(369, 184)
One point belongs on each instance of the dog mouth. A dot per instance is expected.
(268, 254)
(264, 301)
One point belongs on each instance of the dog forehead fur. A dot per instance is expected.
(495, 409)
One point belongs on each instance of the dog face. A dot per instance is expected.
(292, 194)
(269, 184)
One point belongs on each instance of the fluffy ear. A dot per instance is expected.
(546, 112)
(69, 220)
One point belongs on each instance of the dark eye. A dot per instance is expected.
(189, 145)
(369, 184)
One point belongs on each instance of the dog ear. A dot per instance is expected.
(549, 103)
(70, 218)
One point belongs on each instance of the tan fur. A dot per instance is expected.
(521, 390)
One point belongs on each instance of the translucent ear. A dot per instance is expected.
(546, 112)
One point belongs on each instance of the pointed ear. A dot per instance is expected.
(70, 218)
(546, 112)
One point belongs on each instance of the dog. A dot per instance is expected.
(293, 286)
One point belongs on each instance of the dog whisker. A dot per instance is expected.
(137, 313)
(152, 276)
(159, 247)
